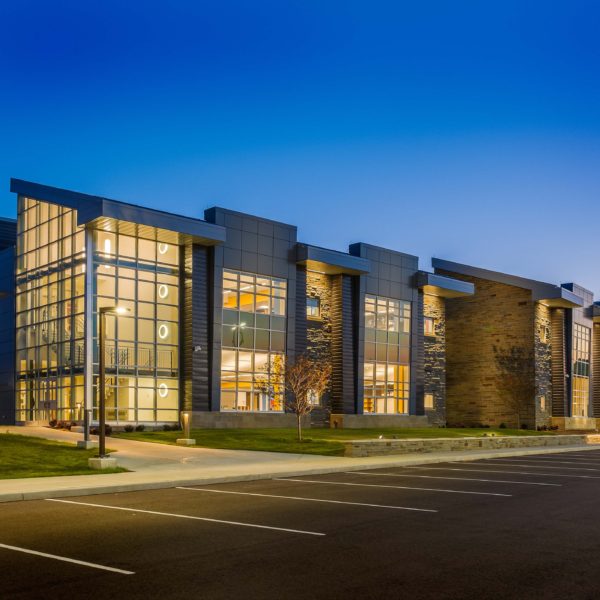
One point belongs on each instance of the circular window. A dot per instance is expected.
(162, 248)
(163, 391)
(163, 291)
(163, 331)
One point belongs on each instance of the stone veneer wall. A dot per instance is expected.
(434, 359)
(496, 315)
(318, 335)
(543, 364)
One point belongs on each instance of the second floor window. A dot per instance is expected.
(313, 308)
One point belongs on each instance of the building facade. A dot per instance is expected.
(517, 333)
(216, 308)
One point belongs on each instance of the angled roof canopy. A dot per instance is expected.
(330, 262)
(547, 293)
(130, 219)
(445, 287)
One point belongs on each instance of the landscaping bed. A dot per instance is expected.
(329, 442)
(26, 456)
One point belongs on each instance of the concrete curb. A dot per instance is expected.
(168, 482)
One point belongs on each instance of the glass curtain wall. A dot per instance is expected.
(142, 347)
(253, 342)
(387, 356)
(50, 273)
(581, 369)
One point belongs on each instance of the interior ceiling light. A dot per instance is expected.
(163, 331)
(162, 248)
(163, 291)
(163, 390)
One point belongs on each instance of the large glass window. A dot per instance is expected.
(387, 355)
(50, 312)
(581, 370)
(253, 342)
(142, 348)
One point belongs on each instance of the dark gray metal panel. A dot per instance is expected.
(418, 361)
(559, 387)
(90, 208)
(343, 393)
(8, 233)
(7, 337)
(201, 318)
(301, 320)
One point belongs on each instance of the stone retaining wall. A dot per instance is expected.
(388, 447)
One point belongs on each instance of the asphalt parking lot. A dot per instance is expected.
(524, 527)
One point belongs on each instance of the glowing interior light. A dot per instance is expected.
(163, 390)
(107, 246)
(162, 248)
(163, 331)
(163, 291)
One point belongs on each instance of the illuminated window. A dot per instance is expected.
(313, 308)
(253, 342)
(50, 312)
(428, 401)
(429, 326)
(581, 370)
(313, 398)
(387, 352)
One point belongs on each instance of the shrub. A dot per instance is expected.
(140, 428)
(129, 428)
(524, 426)
(502, 426)
(96, 430)
(53, 423)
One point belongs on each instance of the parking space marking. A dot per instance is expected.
(557, 462)
(503, 471)
(394, 487)
(453, 478)
(533, 464)
(74, 561)
(306, 499)
(164, 514)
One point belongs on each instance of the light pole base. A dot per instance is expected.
(102, 463)
(185, 442)
(86, 445)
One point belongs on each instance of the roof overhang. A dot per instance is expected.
(330, 262)
(596, 312)
(557, 297)
(445, 287)
(112, 215)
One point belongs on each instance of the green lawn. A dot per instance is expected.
(25, 456)
(317, 441)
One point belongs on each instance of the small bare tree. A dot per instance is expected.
(515, 377)
(304, 379)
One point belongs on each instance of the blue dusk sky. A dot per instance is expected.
(463, 130)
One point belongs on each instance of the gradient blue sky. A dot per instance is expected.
(464, 130)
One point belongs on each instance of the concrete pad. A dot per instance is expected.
(102, 463)
(185, 442)
(77, 429)
(82, 444)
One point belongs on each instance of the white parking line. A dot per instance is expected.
(164, 514)
(65, 559)
(503, 471)
(555, 461)
(532, 463)
(453, 478)
(306, 499)
(395, 487)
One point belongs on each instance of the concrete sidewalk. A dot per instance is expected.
(156, 466)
